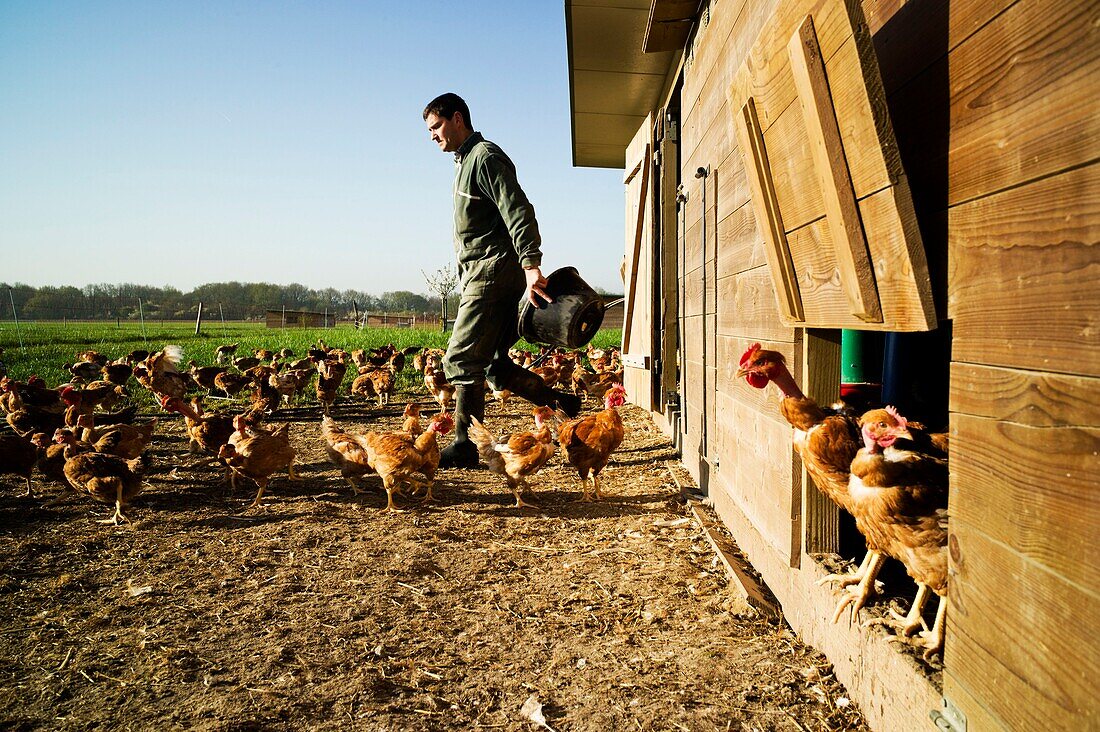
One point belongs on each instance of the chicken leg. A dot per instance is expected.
(858, 596)
(517, 490)
(849, 578)
(932, 640)
(262, 483)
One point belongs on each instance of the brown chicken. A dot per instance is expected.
(427, 443)
(395, 456)
(827, 442)
(208, 431)
(518, 456)
(122, 440)
(17, 457)
(117, 373)
(384, 382)
(231, 384)
(898, 496)
(330, 375)
(257, 454)
(160, 375)
(106, 478)
(587, 442)
(438, 386)
(222, 354)
(205, 376)
(412, 420)
(52, 453)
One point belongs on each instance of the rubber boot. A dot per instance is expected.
(469, 402)
(531, 387)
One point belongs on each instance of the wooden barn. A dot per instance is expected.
(922, 174)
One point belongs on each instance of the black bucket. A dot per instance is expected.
(571, 320)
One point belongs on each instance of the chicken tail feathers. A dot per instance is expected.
(173, 354)
(480, 436)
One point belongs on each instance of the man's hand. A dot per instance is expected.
(536, 285)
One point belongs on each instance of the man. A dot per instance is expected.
(497, 242)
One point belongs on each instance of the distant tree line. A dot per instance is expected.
(234, 300)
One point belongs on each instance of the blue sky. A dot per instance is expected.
(182, 143)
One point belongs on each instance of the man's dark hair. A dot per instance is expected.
(445, 105)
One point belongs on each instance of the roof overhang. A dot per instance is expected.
(613, 82)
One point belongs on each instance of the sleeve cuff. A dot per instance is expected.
(531, 261)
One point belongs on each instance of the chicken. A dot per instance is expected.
(159, 374)
(84, 401)
(265, 399)
(257, 454)
(412, 420)
(206, 376)
(397, 458)
(346, 451)
(597, 385)
(125, 441)
(550, 373)
(898, 496)
(231, 384)
(427, 444)
(92, 357)
(501, 395)
(520, 455)
(289, 383)
(587, 442)
(86, 370)
(52, 454)
(27, 419)
(208, 432)
(330, 375)
(384, 382)
(244, 363)
(136, 355)
(437, 385)
(263, 354)
(117, 373)
(35, 393)
(827, 442)
(222, 354)
(106, 478)
(17, 457)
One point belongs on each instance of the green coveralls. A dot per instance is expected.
(495, 237)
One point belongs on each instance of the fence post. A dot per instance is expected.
(15, 315)
(141, 312)
(198, 320)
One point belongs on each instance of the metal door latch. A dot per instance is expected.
(948, 717)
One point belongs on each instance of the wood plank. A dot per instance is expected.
(747, 307)
(767, 214)
(1023, 103)
(818, 371)
(1022, 285)
(755, 597)
(841, 210)
(1021, 638)
(669, 23)
(640, 230)
(976, 710)
(1032, 398)
(740, 246)
(1035, 489)
(668, 251)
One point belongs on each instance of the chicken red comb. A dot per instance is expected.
(747, 355)
(893, 412)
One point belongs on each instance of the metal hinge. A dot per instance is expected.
(948, 717)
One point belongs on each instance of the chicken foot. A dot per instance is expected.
(858, 596)
(118, 509)
(849, 578)
(262, 483)
(517, 490)
(909, 623)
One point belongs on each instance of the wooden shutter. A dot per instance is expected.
(830, 197)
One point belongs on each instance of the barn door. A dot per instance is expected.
(637, 343)
(831, 199)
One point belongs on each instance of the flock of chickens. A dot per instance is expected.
(71, 437)
(889, 473)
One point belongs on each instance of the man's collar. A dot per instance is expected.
(467, 145)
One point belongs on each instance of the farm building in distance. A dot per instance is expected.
(299, 319)
(808, 173)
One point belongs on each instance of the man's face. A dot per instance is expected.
(448, 133)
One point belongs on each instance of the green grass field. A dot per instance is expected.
(48, 346)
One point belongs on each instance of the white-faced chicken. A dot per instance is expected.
(898, 495)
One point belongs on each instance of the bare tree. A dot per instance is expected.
(442, 283)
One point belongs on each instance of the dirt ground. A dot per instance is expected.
(321, 611)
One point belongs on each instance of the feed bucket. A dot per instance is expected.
(571, 320)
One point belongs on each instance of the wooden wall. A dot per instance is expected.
(997, 119)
